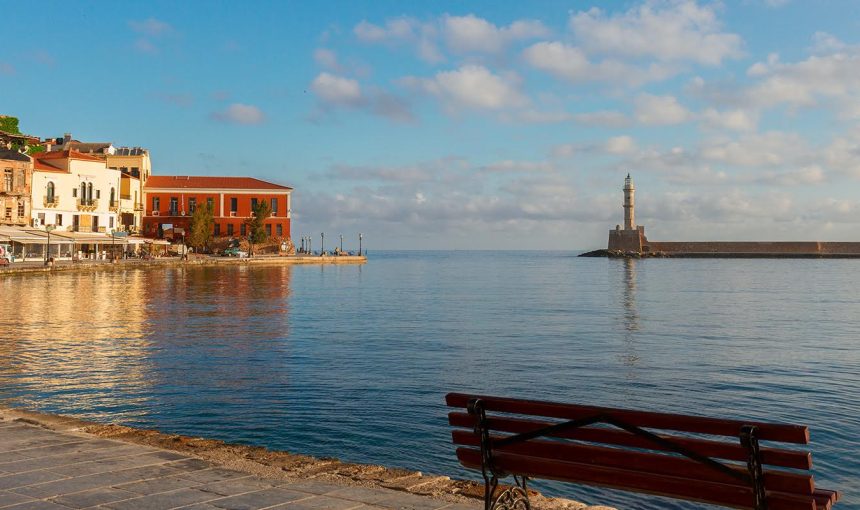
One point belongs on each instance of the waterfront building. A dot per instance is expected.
(16, 170)
(170, 201)
(74, 192)
(134, 165)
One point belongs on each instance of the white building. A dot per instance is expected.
(74, 192)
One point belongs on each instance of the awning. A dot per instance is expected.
(17, 235)
(90, 238)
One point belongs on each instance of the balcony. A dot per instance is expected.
(138, 207)
(87, 205)
(113, 206)
(53, 201)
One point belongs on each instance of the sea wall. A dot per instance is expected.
(763, 248)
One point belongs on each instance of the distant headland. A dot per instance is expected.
(630, 241)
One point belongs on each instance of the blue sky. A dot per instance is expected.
(473, 124)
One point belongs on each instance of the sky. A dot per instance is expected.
(472, 125)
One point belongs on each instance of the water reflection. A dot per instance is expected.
(630, 315)
(98, 343)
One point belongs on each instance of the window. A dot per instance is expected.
(74, 192)
(83, 192)
(268, 230)
(90, 192)
(50, 192)
(280, 230)
(8, 213)
(210, 203)
(192, 205)
(229, 229)
(234, 204)
(95, 223)
(174, 206)
(20, 209)
(7, 180)
(98, 193)
(253, 205)
(110, 222)
(59, 220)
(217, 229)
(156, 203)
(274, 203)
(243, 229)
(112, 197)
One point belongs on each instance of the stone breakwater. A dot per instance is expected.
(277, 467)
(28, 267)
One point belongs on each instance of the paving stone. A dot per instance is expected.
(29, 478)
(320, 503)
(10, 498)
(233, 487)
(464, 506)
(312, 487)
(33, 463)
(156, 485)
(93, 497)
(362, 494)
(82, 483)
(163, 501)
(113, 464)
(190, 464)
(213, 475)
(261, 499)
(37, 505)
(403, 501)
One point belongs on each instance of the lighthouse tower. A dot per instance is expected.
(631, 238)
(629, 215)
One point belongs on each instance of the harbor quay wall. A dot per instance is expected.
(811, 248)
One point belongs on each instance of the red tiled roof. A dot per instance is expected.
(44, 167)
(66, 154)
(203, 182)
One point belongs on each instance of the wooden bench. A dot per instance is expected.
(709, 460)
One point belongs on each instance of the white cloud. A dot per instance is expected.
(470, 86)
(605, 118)
(399, 31)
(326, 59)
(759, 150)
(737, 120)
(571, 64)
(467, 34)
(660, 110)
(151, 27)
(620, 145)
(332, 89)
(663, 30)
(238, 113)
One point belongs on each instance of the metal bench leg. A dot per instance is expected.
(749, 440)
(515, 497)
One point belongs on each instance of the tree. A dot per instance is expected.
(256, 223)
(202, 227)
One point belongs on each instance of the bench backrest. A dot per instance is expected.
(675, 455)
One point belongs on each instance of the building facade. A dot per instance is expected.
(74, 192)
(135, 167)
(170, 202)
(16, 170)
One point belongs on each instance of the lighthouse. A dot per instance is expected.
(629, 215)
(631, 238)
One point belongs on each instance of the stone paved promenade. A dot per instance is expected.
(50, 469)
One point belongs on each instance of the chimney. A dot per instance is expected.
(67, 137)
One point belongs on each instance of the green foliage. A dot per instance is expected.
(202, 227)
(256, 223)
(9, 125)
(35, 149)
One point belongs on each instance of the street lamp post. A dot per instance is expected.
(360, 237)
(341, 243)
(322, 244)
(48, 228)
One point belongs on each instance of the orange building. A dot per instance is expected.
(170, 201)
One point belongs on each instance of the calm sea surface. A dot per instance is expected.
(354, 361)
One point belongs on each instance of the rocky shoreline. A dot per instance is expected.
(282, 465)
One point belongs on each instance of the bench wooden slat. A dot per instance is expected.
(662, 464)
(639, 481)
(717, 449)
(766, 431)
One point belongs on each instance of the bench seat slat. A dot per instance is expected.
(766, 431)
(638, 481)
(662, 464)
(717, 449)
